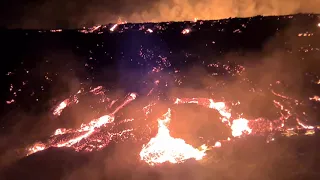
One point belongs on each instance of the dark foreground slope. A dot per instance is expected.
(42, 67)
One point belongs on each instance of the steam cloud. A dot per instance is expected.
(72, 14)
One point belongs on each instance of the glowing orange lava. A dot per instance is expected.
(164, 148)
(84, 131)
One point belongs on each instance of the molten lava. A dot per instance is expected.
(164, 148)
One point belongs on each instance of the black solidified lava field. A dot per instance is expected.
(250, 63)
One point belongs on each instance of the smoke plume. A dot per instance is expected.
(78, 13)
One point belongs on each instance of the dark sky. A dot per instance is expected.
(78, 13)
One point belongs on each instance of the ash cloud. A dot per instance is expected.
(75, 14)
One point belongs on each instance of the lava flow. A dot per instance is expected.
(85, 131)
(161, 148)
(164, 148)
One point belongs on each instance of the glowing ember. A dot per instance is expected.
(217, 144)
(116, 25)
(60, 107)
(91, 29)
(315, 98)
(186, 31)
(239, 126)
(58, 110)
(37, 147)
(113, 27)
(164, 148)
(11, 101)
(56, 30)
